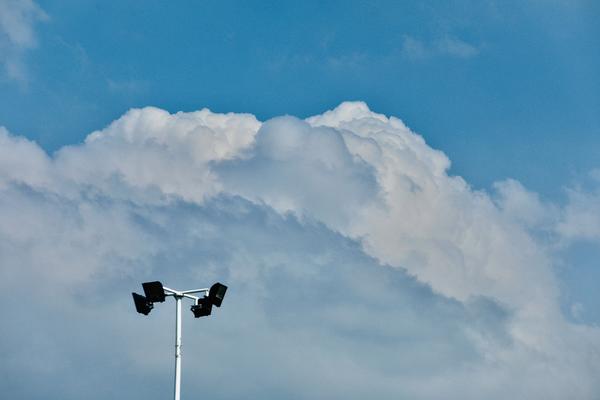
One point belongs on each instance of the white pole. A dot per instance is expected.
(178, 348)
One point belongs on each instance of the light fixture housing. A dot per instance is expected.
(217, 293)
(202, 308)
(154, 291)
(142, 304)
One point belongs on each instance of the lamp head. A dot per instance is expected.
(154, 291)
(142, 304)
(202, 308)
(217, 293)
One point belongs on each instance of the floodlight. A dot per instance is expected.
(142, 304)
(154, 291)
(202, 308)
(216, 293)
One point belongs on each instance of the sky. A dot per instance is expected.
(403, 198)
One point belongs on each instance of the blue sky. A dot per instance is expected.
(403, 197)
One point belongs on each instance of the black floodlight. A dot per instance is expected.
(142, 304)
(202, 308)
(216, 293)
(154, 291)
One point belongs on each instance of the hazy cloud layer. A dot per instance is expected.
(357, 265)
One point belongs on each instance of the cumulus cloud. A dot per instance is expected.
(357, 265)
(17, 20)
(304, 169)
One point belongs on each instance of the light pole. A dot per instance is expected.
(156, 292)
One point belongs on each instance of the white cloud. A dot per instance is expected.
(127, 87)
(17, 20)
(580, 219)
(523, 206)
(456, 47)
(150, 155)
(414, 48)
(445, 46)
(357, 265)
